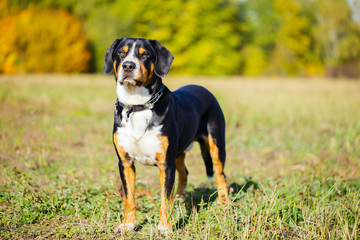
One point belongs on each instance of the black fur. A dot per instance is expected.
(109, 56)
(164, 58)
(188, 114)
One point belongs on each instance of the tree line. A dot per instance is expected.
(218, 37)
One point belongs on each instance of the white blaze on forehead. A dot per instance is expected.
(131, 57)
(128, 94)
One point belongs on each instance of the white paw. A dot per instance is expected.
(123, 228)
(164, 230)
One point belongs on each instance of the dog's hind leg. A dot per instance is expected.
(217, 152)
(183, 174)
(205, 153)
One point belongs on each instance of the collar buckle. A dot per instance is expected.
(149, 105)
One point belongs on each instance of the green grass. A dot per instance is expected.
(293, 160)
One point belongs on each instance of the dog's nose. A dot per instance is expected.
(128, 66)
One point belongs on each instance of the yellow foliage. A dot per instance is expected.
(204, 36)
(43, 41)
(314, 68)
(7, 41)
(292, 39)
(292, 31)
(255, 61)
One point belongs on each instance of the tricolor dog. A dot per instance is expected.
(156, 127)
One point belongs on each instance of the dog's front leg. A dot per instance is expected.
(127, 175)
(167, 169)
(167, 179)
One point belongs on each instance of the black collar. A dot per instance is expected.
(140, 107)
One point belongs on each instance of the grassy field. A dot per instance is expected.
(293, 160)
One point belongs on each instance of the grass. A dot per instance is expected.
(293, 160)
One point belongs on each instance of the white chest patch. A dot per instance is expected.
(140, 143)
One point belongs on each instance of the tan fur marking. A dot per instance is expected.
(130, 206)
(166, 204)
(125, 49)
(141, 50)
(115, 70)
(164, 221)
(119, 148)
(181, 169)
(150, 74)
(145, 76)
(219, 172)
(130, 176)
(144, 72)
(161, 156)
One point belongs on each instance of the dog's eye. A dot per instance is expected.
(145, 55)
(121, 53)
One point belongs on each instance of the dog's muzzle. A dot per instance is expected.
(128, 73)
(128, 66)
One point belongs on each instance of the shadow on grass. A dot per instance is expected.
(140, 225)
(201, 196)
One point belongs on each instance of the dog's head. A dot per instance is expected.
(137, 61)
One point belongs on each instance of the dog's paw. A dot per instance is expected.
(224, 202)
(164, 230)
(124, 228)
(179, 195)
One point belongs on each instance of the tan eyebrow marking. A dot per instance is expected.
(141, 50)
(125, 49)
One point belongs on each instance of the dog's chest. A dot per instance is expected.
(138, 141)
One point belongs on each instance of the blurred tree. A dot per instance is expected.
(104, 21)
(103, 26)
(43, 41)
(218, 37)
(205, 37)
(292, 38)
(312, 57)
(336, 32)
(260, 36)
(263, 23)
(255, 60)
(8, 56)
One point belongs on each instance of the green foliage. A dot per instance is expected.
(201, 41)
(287, 37)
(335, 32)
(263, 22)
(292, 38)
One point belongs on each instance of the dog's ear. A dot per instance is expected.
(109, 56)
(164, 58)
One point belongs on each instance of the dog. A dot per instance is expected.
(156, 127)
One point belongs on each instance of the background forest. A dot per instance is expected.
(218, 37)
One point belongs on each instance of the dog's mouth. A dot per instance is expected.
(129, 80)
